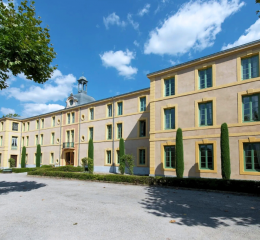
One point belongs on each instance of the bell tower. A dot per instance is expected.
(82, 85)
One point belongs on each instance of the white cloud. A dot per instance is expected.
(195, 25)
(132, 22)
(174, 62)
(145, 10)
(113, 19)
(136, 43)
(120, 61)
(54, 90)
(32, 109)
(6, 111)
(251, 34)
(22, 86)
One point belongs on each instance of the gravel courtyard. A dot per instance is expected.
(45, 208)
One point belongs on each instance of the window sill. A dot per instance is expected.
(206, 171)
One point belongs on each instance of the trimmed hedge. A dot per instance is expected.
(38, 156)
(240, 186)
(225, 152)
(21, 170)
(91, 149)
(121, 154)
(179, 154)
(23, 164)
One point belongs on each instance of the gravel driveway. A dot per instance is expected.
(46, 208)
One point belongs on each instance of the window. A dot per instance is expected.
(42, 123)
(15, 126)
(37, 124)
(169, 157)
(70, 136)
(251, 108)
(250, 67)
(119, 130)
(27, 141)
(91, 111)
(28, 126)
(142, 156)
(117, 157)
(68, 118)
(252, 156)
(41, 158)
(91, 133)
(169, 117)
(206, 156)
(22, 141)
(14, 143)
(36, 139)
(205, 78)
(109, 110)
(53, 121)
(35, 157)
(120, 108)
(169, 86)
(109, 132)
(73, 117)
(23, 127)
(52, 158)
(52, 138)
(142, 104)
(142, 128)
(41, 139)
(0, 158)
(26, 158)
(109, 157)
(1, 141)
(2, 126)
(205, 114)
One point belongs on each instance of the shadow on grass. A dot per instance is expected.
(202, 208)
(26, 186)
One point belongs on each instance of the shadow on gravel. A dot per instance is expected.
(202, 208)
(26, 186)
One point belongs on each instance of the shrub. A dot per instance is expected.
(38, 156)
(225, 152)
(23, 163)
(68, 168)
(21, 170)
(47, 166)
(84, 162)
(91, 149)
(121, 154)
(90, 165)
(179, 154)
(128, 161)
(12, 162)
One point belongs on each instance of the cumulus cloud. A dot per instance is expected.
(120, 61)
(136, 43)
(195, 25)
(132, 22)
(145, 10)
(6, 111)
(33, 109)
(251, 34)
(113, 19)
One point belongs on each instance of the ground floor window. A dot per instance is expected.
(169, 156)
(206, 156)
(142, 156)
(252, 156)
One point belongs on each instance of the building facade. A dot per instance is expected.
(197, 96)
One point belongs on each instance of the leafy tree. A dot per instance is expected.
(38, 156)
(225, 152)
(11, 115)
(128, 161)
(257, 1)
(121, 154)
(23, 163)
(179, 154)
(12, 162)
(24, 45)
(91, 149)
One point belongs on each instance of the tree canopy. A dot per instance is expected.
(11, 115)
(24, 45)
(257, 1)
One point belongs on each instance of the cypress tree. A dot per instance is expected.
(23, 164)
(38, 156)
(121, 153)
(225, 152)
(179, 154)
(91, 149)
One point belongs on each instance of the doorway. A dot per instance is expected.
(15, 158)
(69, 158)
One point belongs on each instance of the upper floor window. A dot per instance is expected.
(41, 139)
(37, 124)
(22, 141)
(23, 127)
(169, 157)
(142, 104)
(53, 121)
(120, 108)
(1, 141)
(91, 114)
(109, 132)
(205, 78)
(91, 132)
(252, 157)
(36, 139)
(68, 118)
(2, 126)
(109, 110)
(15, 126)
(27, 141)
(28, 126)
(251, 108)
(52, 138)
(250, 67)
(142, 128)
(119, 130)
(205, 114)
(169, 85)
(42, 123)
(73, 117)
(169, 117)
(206, 156)
(14, 142)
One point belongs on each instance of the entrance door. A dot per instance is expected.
(69, 158)
(15, 158)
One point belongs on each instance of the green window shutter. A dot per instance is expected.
(206, 156)
(169, 157)
(169, 118)
(205, 114)
(169, 85)
(205, 78)
(109, 111)
(143, 104)
(92, 114)
(142, 128)
(119, 130)
(142, 156)
(250, 67)
(252, 157)
(109, 157)
(109, 132)
(120, 108)
(251, 108)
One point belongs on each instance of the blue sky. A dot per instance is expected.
(116, 43)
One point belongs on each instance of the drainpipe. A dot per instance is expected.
(79, 133)
(113, 138)
(60, 136)
(21, 143)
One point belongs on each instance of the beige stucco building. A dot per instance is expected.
(196, 96)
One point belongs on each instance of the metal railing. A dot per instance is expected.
(68, 145)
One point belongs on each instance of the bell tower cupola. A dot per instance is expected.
(82, 85)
